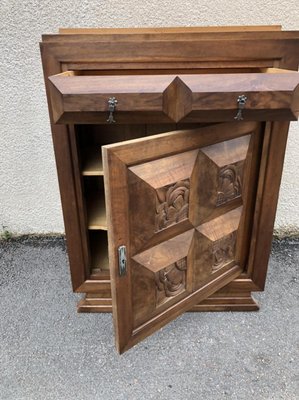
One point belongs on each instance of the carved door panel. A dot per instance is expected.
(181, 203)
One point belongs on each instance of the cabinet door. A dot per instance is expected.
(179, 208)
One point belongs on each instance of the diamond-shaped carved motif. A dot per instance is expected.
(172, 204)
(177, 100)
(223, 251)
(230, 183)
(170, 281)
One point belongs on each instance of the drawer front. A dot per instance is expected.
(271, 95)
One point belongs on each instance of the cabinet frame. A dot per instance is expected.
(171, 50)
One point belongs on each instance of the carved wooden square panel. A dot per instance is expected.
(159, 190)
(215, 245)
(185, 216)
(168, 275)
(218, 178)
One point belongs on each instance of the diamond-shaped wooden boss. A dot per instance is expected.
(177, 100)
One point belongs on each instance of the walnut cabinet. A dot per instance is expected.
(169, 147)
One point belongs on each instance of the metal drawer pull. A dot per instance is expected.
(111, 107)
(241, 105)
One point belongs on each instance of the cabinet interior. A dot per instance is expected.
(90, 138)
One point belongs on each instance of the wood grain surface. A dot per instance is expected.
(162, 76)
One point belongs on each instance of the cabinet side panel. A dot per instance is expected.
(64, 165)
(267, 198)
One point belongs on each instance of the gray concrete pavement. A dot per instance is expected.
(48, 351)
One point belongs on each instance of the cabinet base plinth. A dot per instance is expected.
(227, 304)
(245, 302)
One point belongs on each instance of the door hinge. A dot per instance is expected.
(122, 260)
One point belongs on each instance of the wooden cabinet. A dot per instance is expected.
(169, 146)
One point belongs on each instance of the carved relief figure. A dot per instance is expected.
(223, 251)
(172, 204)
(230, 186)
(171, 281)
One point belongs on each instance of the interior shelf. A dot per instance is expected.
(92, 164)
(96, 213)
(95, 203)
(99, 263)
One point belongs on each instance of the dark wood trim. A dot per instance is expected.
(271, 95)
(82, 216)
(225, 302)
(118, 235)
(64, 165)
(172, 51)
(243, 283)
(92, 286)
(268, 191)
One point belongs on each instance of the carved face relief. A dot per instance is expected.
(230, 186)
(172, 204)
(171, 281)
(223, 251)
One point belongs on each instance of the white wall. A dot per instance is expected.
(29, 196)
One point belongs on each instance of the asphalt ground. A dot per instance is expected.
(48, 351)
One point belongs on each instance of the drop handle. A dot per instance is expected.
(241, 101)
(111, 108)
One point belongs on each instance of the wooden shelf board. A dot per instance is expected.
(96, 212)
(98, 273)
(92, 162)
(99, 255)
